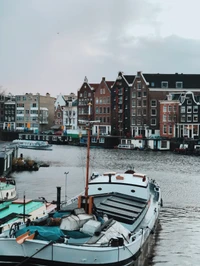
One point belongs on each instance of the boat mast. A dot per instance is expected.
(88, 125)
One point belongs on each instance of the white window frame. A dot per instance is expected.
(164, 84)
(179, 83)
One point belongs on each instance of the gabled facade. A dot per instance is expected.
(9, 115)
(169, 117)
(139, 108)
(120, 105)
(189, 119)
(70, 115)
(60, 100)
(102, 107)
(58, 118)
(86, 96)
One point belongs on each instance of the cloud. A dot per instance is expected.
(50, 46)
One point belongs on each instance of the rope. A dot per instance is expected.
(27, 259)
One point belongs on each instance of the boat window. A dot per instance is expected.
(99, 188)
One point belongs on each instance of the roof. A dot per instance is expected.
(110, 83)
(129, 78)
(94, 85)
(189, 80)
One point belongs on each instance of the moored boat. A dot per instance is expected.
(107, 225)
(33, 144)
(126, 147)
(7, 189)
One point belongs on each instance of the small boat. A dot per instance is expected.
(109, 224)
(126, 147)
(12, 214)
(7, 189)
(33, 144)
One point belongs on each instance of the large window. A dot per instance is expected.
(182, 109)
(164, 118)
(164, 108)
(195, 118)
(179, 84)
(170, 129)
(164, 84)
(182, 118)
(189, 109)
(153, 103)
(153, 121)
(164, 129)
(153, 112)
(195, 109)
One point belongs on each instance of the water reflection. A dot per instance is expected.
(177, 240)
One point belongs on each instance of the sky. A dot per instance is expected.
(49, 46)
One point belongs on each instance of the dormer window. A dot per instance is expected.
(164, 84)
(152, 84)
(179, 84)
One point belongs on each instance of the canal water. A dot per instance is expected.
(177, 240)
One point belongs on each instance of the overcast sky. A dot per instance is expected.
(51, 45)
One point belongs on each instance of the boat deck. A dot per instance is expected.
(120, 207)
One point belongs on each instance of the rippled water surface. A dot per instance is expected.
(177, 241)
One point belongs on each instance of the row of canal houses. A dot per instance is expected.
(166, 105)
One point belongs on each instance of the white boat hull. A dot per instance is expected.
(66, 254)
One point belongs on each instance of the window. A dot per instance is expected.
(152, 84)
(164, 108)
(182, 109)
(169, 108)
(133, 111)
(163, 144)
(153, 121)
(139, 112)
(179, 84)
(139, 94)
(139, 85)
(189, 109)
(153, 112)
(144, 103)
(169, 117)
(133, 121)
(164, 129)
(195, 109)
(97, 110)
(174, 108)
(164, 84)
(34, 105)
(133, 94)
(170, 129)
(195, 118)
(144, 111)
(108, 110)
(182, 118)
(139, 103)
(85, 94)
(133, 103)
(153, 103)
(164, 118)
(189, 118)
(97, 100)
(189, 101)
(144, 93)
